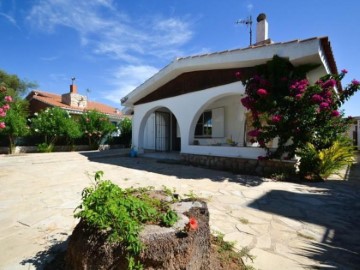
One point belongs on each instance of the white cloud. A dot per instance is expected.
(127, 78)
(109, 31)
(9, 19)
(249, 7)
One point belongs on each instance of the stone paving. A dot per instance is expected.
(285, 225)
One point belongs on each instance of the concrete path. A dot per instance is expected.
(286, 225)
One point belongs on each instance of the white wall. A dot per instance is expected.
(352, 129)
(149, 139)
(187, 109)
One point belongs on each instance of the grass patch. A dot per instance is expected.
(227, 250)
(244, 220)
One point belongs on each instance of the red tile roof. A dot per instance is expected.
(54, 100)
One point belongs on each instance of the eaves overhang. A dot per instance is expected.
(297, 51)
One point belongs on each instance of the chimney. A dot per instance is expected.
(261, 28)
(74, 99)
(73, 89)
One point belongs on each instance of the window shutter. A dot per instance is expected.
(218, 122)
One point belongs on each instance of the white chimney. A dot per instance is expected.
(261, 28)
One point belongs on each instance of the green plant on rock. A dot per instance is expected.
(122, 213)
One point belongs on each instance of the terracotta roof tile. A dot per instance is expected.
(55, 101)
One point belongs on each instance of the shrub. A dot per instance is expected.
(125, 127)
(96, 127)
(53, 124)
(45, 148)
(321, 164)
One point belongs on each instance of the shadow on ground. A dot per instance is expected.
(51, 258)
(171, 168)
(333, 205)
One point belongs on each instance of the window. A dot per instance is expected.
(204, 125)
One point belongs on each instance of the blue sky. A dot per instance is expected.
(112, 46)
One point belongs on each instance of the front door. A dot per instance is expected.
(162, 131)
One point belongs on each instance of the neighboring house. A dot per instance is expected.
(72, 102)
(354, 132)
(193, 104)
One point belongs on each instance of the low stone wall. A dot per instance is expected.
(33, 149)
(60, 148)
(241, 165)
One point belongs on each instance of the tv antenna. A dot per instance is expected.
(248, 22)
(72, 80)
(88, 91)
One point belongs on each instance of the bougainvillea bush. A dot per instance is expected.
(284, 105)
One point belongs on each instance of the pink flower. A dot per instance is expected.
(262, 92)
(6, 107)
(238, 75)
(335, 113)
(276, 118)
(2, 125)
(355, 82)
(2, 113)
(316, 98)
(261, 143)
(247, 102)
(300, 86)
(298, 96)
(328, 94)
(344, 71)
(254, 133)
(193, 224)
(324, 105)
(329, 83)
(8, 99)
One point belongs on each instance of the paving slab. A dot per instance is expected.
(285, 225)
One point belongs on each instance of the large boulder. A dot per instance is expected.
(172, 248)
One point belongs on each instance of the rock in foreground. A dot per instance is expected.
(172, 248)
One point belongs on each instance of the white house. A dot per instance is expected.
(193, 104)
(354, 132)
